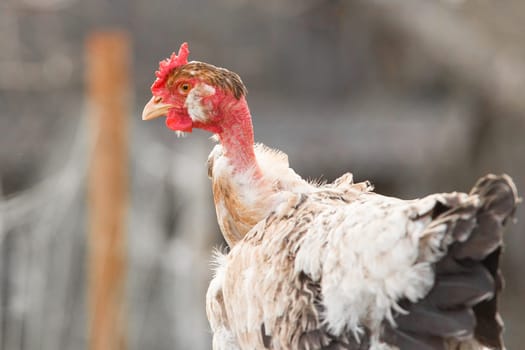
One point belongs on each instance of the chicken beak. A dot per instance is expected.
(155, 108)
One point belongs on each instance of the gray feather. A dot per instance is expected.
(463, 302)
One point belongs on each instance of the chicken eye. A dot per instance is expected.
(184, 88)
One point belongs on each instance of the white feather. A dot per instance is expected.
(197, 109)
(363, 249)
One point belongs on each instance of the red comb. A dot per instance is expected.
(169, 64)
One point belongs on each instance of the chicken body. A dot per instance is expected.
(334, 266)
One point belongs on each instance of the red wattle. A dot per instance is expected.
(179, 123)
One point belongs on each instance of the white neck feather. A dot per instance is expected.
(243, 199)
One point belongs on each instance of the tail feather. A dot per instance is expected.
(467, 288)
(485, 238)
(408, 340)
(499, 199)
(489, 326)
(498, 194)
(463, 304)
(437, 321)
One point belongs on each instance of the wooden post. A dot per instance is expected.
(107, 76)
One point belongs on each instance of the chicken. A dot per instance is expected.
(333, 266)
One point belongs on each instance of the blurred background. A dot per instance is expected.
(416, 96)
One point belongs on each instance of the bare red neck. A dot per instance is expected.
(236, 135)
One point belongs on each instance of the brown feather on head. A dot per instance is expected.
(217, 77)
